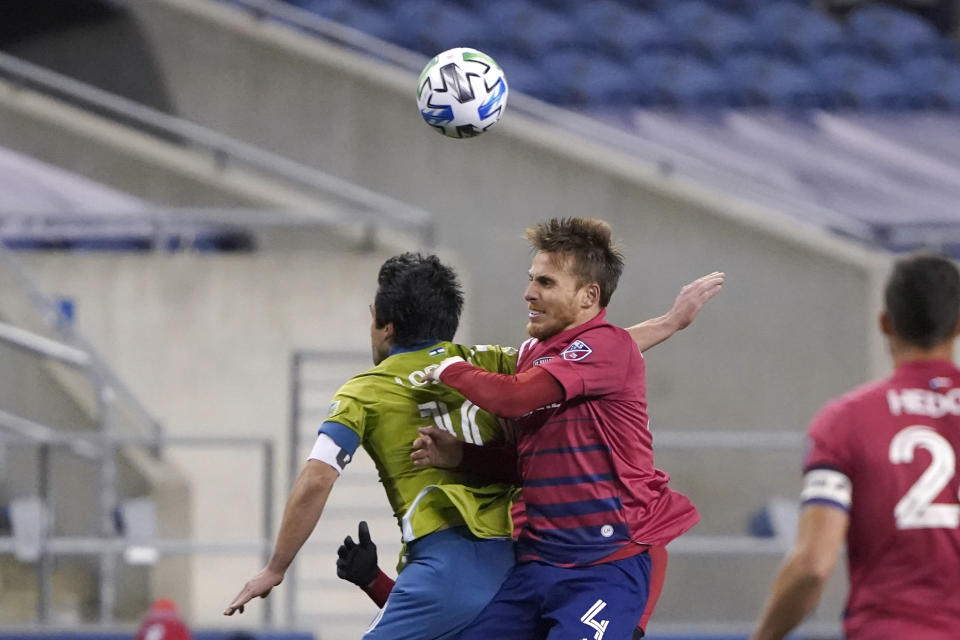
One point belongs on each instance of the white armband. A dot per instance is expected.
(326, 450)
(827, 485)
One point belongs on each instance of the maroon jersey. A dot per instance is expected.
(590, 488)
(886, 452)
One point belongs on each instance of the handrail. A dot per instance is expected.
(108, 545)
(51, 315)
(363, 205)
(41, 346)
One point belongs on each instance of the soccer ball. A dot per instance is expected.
(462, 92)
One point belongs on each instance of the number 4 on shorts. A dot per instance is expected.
(599, 625)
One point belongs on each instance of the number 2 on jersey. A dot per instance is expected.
(441, 418)
(916, 509)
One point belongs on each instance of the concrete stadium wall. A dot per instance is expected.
(794, 326)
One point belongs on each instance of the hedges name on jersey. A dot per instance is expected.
(382, 409)
(886, 452)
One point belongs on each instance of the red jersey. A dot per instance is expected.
(590, 488)
(887, 453)
(162, 622)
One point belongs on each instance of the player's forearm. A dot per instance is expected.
(795, 593)
(303, 510)
(652, 332)
(502, 395)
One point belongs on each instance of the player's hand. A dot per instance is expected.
(693, 296)
(436, 448)
(357, 562)
(259, 585)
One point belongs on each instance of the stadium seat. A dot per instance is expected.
(894, 34)
(685, 82)
(766, 81)
(430, 26)
(860, 83)
(625, 33)
(801, 33)
(723, 34)
(935, 78)
(529, 30)
(592, 80)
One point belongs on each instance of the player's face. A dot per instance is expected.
(554, 296)
(380, 338)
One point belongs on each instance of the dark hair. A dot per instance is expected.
(923, 299)
(420, 296)
(595, 257)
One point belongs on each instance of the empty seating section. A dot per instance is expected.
(682, 54)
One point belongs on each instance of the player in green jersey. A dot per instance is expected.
(456, 527)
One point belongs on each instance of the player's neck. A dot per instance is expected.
(903, 353)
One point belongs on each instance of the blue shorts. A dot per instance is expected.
(450, 576)
(542, 602)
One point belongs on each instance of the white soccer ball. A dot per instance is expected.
(462, 92)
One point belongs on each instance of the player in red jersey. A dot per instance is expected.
(881, 474)
(163, 622)
(357, 561)
(595, 503)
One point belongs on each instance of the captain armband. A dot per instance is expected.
(325, 449)
(827, 486)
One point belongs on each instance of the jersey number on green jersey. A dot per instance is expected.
(441, 418)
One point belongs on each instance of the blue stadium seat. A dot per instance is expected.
(860, 83)
(375, 23)
(894, 34)
(685, 82)
(526, 77)
(590, 80)
(529, 30)
(625, 33)
(723, 34)
(766, 81)
(936, 78)
(432, 26)
(801, 33)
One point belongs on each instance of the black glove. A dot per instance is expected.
(357, 563)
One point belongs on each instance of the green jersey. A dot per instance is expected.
(385, 406)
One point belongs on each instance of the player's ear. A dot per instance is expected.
(388, 331)
(591, 295)
(886, 324)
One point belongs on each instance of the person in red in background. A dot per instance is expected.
(162, 622)
(881, 473)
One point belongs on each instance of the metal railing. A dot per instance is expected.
(110, 546)
(354, 204)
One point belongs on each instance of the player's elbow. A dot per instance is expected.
(811, 567)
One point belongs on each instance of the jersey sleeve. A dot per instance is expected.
(341, 433)
(494, 358)
(595, 364)
(828, 463)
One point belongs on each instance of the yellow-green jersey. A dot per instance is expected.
(382, 410)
